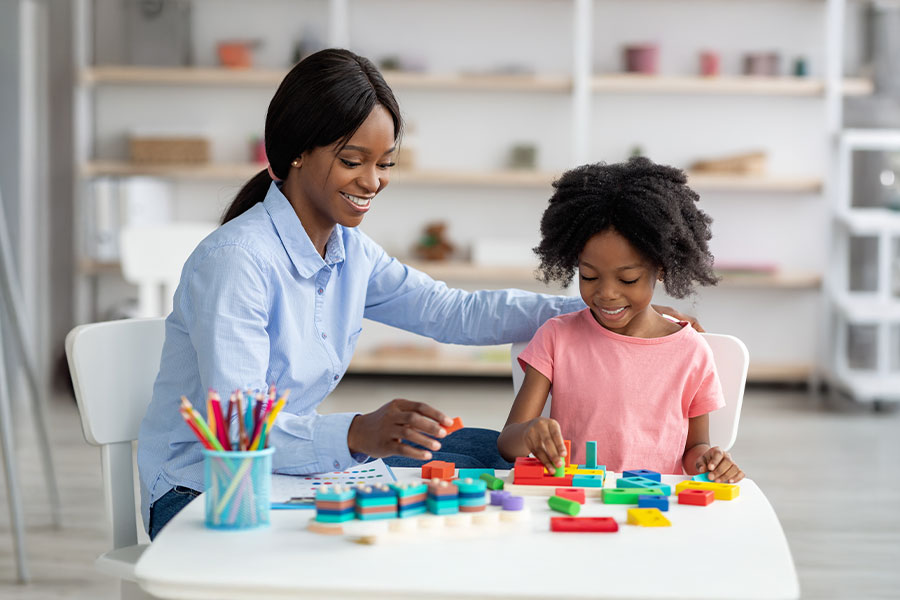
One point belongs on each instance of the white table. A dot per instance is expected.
(730, 549)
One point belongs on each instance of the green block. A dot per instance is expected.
(564, 505)
(493, 483)
(643, 482)
(628, 495)
(560, 472)
(473, 473)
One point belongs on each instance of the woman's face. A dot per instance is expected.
(330, 185)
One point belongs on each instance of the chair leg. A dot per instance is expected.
(12, 485)
(39, 413)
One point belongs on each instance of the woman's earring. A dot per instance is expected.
(296, 162)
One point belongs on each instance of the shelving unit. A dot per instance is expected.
(460, 176)
(878, 308)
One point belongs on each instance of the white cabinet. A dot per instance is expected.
(499, 73)
(863, 286)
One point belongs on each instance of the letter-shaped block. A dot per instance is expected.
(723, 491)
(593, 524)
(696, 497)
(564, 505)
(438, 469)
(660, 502)
(527, 467)
(574, 494)
(456, 426)
(647, 517)
(591, 450)
(642, 482)
(645, 473)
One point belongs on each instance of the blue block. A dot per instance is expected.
(325, 511)
(642, 482)
(473, 473)
(660, 502)
(587, 481)
(645, 473)
(591, 461)
(701, 477)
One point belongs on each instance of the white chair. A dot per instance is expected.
(732, 361)
(152, 257)
(113, 367)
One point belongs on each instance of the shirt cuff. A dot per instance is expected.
(330, 437)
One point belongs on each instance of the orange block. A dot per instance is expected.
(438, 469)
(456, 426)
(568, 444)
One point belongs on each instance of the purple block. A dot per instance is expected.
(513, 503)
(498, 496)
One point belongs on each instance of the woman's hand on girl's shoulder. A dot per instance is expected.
(720, 466)
(668, 310)
(544, 439)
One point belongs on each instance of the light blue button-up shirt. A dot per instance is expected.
(257, 304)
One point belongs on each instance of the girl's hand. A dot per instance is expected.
(719, 466)
(382, 433)
(668, 310)
(544, 439)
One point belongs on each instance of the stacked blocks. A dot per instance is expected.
(628, 495)
(660, 502)
(593, 524)
(438, 469)
(576, 495)
(696, 497)
(722, 491)
(443, 498)
(410, 498)
(335, 504)
(530, 471)
(498, 496)
(643, 482)
(493, 483)
(647, 517)
(375, 502)
(564, 505)
(472, 495)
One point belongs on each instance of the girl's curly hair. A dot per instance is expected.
(650, 205)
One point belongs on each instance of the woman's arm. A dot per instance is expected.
(526, 431)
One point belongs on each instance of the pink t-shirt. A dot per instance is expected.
(633, 396)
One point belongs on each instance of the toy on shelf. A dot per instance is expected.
(747, 163)
(641, 58)
(433, 244)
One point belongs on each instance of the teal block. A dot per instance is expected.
(473, 473)
(347, 516)
(334, 493)
(409, 489)
(591, 461)
(411, 512)
(442, 508)
(360, 501)
(376, 516)
(643, 482)
(476, 486)
(473, 501)
(701, 477)
(587, 481)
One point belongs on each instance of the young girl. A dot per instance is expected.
(621, 374)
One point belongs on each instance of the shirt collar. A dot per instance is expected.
(296, 242)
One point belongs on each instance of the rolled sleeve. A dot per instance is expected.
(312, 443)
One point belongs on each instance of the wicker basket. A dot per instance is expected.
(160, 150)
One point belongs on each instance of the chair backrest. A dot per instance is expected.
(113, 367)
(152, 258)
(732, 360)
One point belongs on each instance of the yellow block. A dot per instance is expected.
(576, 471)
(722, 491)
(647, 517)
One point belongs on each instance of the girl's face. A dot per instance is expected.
(330, 185)
(617, 283)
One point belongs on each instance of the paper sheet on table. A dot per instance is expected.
(287, 487)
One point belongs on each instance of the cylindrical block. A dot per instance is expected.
(564, 505)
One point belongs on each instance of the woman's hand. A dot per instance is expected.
(719, 465)
(668, 310)
(544, 439)
(382, 433)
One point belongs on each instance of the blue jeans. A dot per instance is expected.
(169, 505)
(468, 448)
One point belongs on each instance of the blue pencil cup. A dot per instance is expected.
(238, 485)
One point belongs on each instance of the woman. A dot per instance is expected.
(277, 295)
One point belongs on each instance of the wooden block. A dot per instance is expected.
(627, 495)
(568, 444)
(585, 524)
(660, 502)
(559, 481)
(722, 491)
(643, 482)
(574, 494)
(696, 497)
(438, 469)
(528, 467)
(591, 451)
(564, 505)
(647, 517)
(645, 473)
(456, 426)
(587, 481)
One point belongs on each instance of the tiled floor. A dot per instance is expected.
(831, 472)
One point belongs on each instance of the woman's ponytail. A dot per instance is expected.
(254, 191)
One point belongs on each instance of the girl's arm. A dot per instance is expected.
(700, 458)
(526, 431)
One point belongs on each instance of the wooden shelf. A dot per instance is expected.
(725, 85)
(95, 267)
(612, 83)
(500, 178)
(780, 280)
(779, 373)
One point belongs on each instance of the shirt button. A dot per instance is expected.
(337, 465)
(324, 335)
(336, 377)
(321, 291)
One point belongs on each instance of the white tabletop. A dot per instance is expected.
(730, 549)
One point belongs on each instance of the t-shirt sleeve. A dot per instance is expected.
(539, 352)
(709, 396)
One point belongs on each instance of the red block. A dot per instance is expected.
(568, 444)
(602, 524)
(457, 425)
(696, 497)
(563, 481)
(576, 494)
(438, 469)
(528, 467)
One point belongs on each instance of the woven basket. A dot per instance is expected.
(159, 150)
